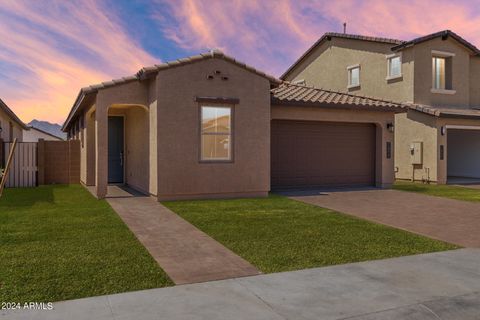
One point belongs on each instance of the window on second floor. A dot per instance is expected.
(442, 72)
(394, 66)
(353, 76)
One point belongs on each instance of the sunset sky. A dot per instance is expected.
(50, 49)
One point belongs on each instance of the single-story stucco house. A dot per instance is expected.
(209, 126)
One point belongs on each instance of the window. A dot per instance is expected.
(216, 133)
(353, 76)
(438, 67)
(442, 72)
(394, 66)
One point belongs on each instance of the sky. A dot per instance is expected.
(50, 49)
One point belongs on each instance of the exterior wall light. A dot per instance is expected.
(390, 126)
(442, 130)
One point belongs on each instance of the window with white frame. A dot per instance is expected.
(216, 133)
(394, 66)
(353, 76)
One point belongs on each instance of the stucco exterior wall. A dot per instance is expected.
(180, 172)
(326, 67)
(384, 173)
(475, 81)
(460, 74)
(34, 135)
(5, 122)
(416, 127)
(153, 164)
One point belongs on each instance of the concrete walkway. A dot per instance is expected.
(435, 286)
(185, 253)
(449, 220)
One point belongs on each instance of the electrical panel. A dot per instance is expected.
(416, 152)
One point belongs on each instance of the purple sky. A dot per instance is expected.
(50, 49)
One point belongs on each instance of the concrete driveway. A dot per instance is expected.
(453, 221)
(442, 285)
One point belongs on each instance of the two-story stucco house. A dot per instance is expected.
(437, 76)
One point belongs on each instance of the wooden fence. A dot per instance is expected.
(42, 162)
(23, 172)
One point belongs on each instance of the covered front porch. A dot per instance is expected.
(118, 148)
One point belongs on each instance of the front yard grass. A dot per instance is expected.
(279, 234)
(59, 243)
(446, 191)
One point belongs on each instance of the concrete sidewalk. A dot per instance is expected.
(434, 286)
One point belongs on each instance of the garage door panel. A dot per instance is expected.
(307, 153)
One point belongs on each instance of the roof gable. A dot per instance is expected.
(12, 115)
(148, 72)
(445, 34)
(328, 36)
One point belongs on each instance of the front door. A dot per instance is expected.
(115, 149)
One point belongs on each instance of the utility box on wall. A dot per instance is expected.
(416, 152)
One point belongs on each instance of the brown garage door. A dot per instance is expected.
(318, 154)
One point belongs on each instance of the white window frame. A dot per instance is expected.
(349, 73)
(390, 57)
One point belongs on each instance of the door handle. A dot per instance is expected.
(121, 158)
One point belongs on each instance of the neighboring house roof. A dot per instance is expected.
(329, 35)
(44, 132)
(444, 34)
(12, 115)
(148, 72)
(446, 112)
(295, 94)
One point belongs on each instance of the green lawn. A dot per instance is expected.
(279, 234)
(446, 191)
(59, 243)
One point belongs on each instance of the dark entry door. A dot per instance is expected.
(322, 154)
(115, 149)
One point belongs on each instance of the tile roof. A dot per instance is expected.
(148, 72)
(294, 94)
(329, 35)
(12, 115)
(444, 34)
(446, 112)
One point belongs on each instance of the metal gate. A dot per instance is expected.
(23, 172)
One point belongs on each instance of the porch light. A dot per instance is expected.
(390, 126)
(442, 130)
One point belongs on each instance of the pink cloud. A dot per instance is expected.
(48, 76)
(272, 34)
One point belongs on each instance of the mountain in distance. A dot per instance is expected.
(52, 128)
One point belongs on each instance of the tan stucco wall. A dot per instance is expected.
(416, 127)
(326, 67)
(32, 135)
(475, 81)
(423, 73)
(384, 167)
(5, 121)
(153, 165)
(180, 173)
